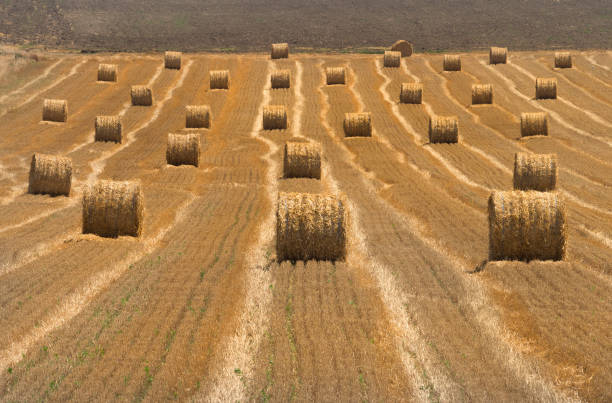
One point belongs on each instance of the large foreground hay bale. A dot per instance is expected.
(482, 94)
(546, 88)
(112, 208)
(107, 72)
(172, 60)
(358, 124)
(411, 93)
(335, 75)
(302, 160)
(498, 55)
(55, 110)
(535, 172)
(563, 60)
(219, 80)
(310, 226)
(526, 226)
(108, 128)
(183, 149)
(402, 46)
(274, 117)
(50, 174)
(534, 124)
(141, 95)
(280, 51)
(280, 79)
(452, 63)
(197, 117)
(392, 59)
(443, 129)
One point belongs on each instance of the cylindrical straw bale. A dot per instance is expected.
(141, 95)
(535, 172)
(50, 174)
(534, 124)
(310, 226)
(219, 80)
(563, 60)
(302, 160)
(402, 46)
(280, 79)
(280, 51)
(183, 149)
(358, 124)
(526, 226)
(498, 55)
(411, 93)
(274, 117)
(452, 63)
(482, 94)
(172, 60)
(107, 72)
(443, 129)
(112, 208)
(335, 75)
(55, 110)
(197, 116)
(546, 88)
(108, 128)
(392, 59)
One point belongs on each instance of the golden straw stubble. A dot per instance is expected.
(50, 174)
(411, 93)
(302, 160)
(55, 110)
(535, 172)
(183, 149)
(358, 124)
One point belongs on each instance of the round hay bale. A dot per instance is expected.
(141, 95)
(405, 48)
(358, 124)
(392, 59)
(107, 72)
(183, 149)
(411, 93)
(280, 51)
(55, 110)
(108, 128)
(546, 88)
(335, 75)
(526, 226)
(172, 60)
(280, 79)
(302, 160)
(274, 117)
(50, 174)
(498, 55)
(563, 60)
(482, 94)
(112, 208)
(535, 172)
(443, 129)
(310, 226)
(534, 124)
(197, 116)
(452, 63)
(219, 79)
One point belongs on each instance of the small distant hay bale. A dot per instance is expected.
(411, 93)
(197, 116)
(302, 160)
(280, 51)
(183, 149)
(219, 79)
(482, 94)
(310, 226)
(274, 117)
(392, 59)
(527, 226)
(280, 79)
(402, 46)
(107, 72)
(535, 172)
(112, 208)
(452, 63)
(141, 95)
(108, 128)
(358, 124)
(172, 60)
(498, 55)
(50, 174)
(335, 75)
(534, 124)
(546, 88)
(563, 60)
(443, 129)
(55, 110)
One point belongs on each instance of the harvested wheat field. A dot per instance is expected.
(155, 273)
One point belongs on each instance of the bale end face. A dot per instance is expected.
(452, 63)
(546, 88)
(335, 75)
(172, 60)
(280, 51)
(55, 110)
(404, 47)
(443, 129)
(498, 55)
(534, 124)
(302, 160)
(535, 172)
(197, 117)
(411, 93)
(274, 117)
(280, 79)
(392, 59)
(183, 149)
(108, 128)
(219, 80)
(563, 60)
(107, 72)
(50, 174)
(482, 94)
(141, 95)
(358, 124)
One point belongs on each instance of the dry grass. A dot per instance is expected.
(280, 79)
(197, 116)
(546, 88)
(498, 55)
(443, 129)
(563, 60)
(452, 63)
(183, 149)
(302, 160)
(50, 174)
(172, 60)
(112, 208)
(411, 93)
(482, 94)
(108, 128)
(141, 95)
(274, 117)
(279, 51)
(335, 75)
(55, 110)
(358, 124)
(107, 72)
(535, 172)
(392, 59)
(534, 124)
(219, 79)
(310, 226)
(526, 226)
(404, 47)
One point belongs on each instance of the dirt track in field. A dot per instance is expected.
(197, 308)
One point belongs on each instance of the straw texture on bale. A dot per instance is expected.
(535, 172)
(107, 72)
(563, 60)
(392, 59)
(302, 160)
(526, 226)
(108, 128)
(50, 174)
(280, 51)
(274, 117)
(55, 110)
(443, 129)
(172, 60)
(534, 124)
(411, 93)
(310, 226)
(335, 75)
(358, 124)
(219, 80)
(112, 208)
(183, 149)
(452, 63)
(197, 116)
(280, 79)
(498, 55)
(141, 95)
(402, 46)
(546, 88)
(482, 94)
